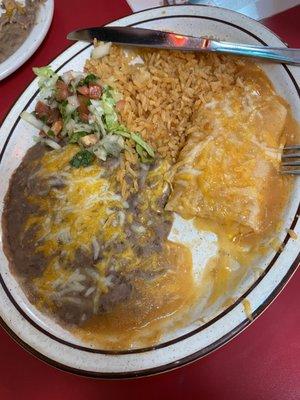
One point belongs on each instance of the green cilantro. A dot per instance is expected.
(50, 133)
(89, 79)
(43, 118)
(83, 158)
(62, 108)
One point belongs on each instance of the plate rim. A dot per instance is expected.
(194, 356)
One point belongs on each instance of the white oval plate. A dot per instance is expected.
(39, 334)
(31, 43)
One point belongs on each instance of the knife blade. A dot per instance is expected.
(140, 37)
(137, 37)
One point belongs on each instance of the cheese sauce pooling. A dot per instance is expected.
(102, 266)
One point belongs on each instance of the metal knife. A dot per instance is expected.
(139, 37)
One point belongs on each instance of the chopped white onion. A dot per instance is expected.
(145, 167)
(67, 77)
(138, 228)
(52, 104)
(73, 101)
(136, 60)
(64, 236)
(121, 218)
(52, 144)
(96, 248)
(89, 291)
(101, 50)
(31, 119)
(78, 76)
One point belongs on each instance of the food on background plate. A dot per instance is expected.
(17, 18)
(124, 148)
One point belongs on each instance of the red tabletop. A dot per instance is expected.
(261, 363)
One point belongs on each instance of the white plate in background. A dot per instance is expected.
(32, 42)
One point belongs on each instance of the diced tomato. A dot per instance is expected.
(84, 117)
(54, 115)
(42, 110)
(120, 105)
(84, 90)
(57, 127)
(46, 114)
(83, 110)
(83, 103)
(95, 91)
(62, 91)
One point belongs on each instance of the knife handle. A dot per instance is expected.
(285, 55)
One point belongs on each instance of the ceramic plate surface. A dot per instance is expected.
(32, 42)
(50, 342)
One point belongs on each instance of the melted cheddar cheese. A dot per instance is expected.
(83, 206)
(228, 173)
(73, 215)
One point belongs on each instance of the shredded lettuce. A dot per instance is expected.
(113, 144)
(97, 111)
(111, 92)
(70, 119)
(100, 153)
(43, 73)
(139, 141)
(74, 125)
(110, 145)
(124, 133)
(65, 113)
(110, 115)
(105, 123)
(108, 105)
(143, 155)
(47, 79)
